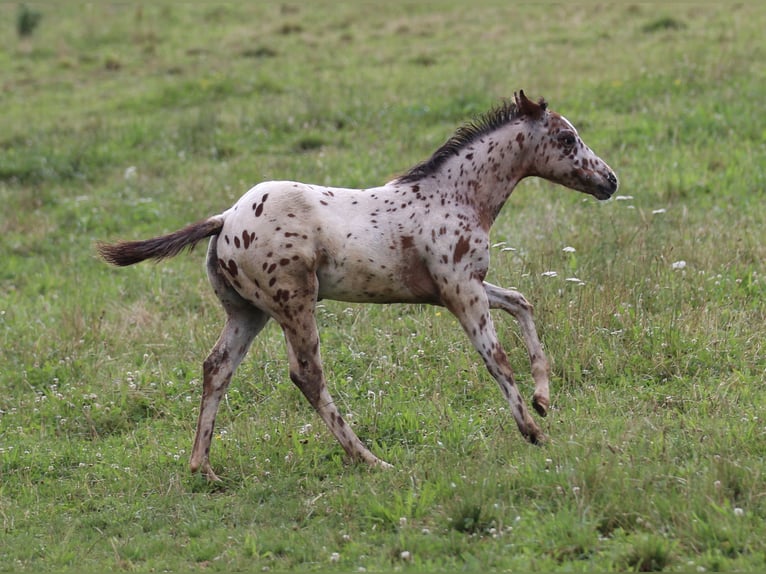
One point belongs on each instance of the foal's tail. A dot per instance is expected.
(129, 252)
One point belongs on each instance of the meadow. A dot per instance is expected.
(126, 121)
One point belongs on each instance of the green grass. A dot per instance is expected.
(121, 121)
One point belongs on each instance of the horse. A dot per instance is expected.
(423, 237)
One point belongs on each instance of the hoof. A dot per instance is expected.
(540, 404)
(211, 476)
(534, 435)
(206, 471)
(537, 439)
(374, 462)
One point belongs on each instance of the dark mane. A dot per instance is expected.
(465, 135)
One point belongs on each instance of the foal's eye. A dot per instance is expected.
(567, 139)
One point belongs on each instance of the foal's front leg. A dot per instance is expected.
(514, 303)
(470, 304)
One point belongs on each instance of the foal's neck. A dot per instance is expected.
(482, 176)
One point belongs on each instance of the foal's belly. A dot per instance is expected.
(403, 279)
(362, 286)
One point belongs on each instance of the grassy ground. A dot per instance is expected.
(124, 122)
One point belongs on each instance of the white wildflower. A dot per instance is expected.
(678, 265)
(550, 274)
(569, 249)
(658, 211)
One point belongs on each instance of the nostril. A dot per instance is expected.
(612, 178)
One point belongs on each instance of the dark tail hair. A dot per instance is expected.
(129, 252)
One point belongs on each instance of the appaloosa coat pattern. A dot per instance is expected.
(421, 238)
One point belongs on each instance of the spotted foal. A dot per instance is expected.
(421, 238)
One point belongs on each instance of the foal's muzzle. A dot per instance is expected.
(608, 187)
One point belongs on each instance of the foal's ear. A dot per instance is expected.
(529, 108)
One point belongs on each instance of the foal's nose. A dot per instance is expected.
(612, 179)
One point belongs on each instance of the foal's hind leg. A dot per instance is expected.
(243, 323)
(218, 368)
(306, 372)
(514, 303)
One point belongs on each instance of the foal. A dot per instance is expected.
(421, 238)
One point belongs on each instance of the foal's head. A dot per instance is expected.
(560, 155)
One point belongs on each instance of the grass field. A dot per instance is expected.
(124, 121)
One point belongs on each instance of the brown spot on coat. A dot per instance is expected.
(232, 268)
(461, 248)
(282, 295)
(416, 276)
